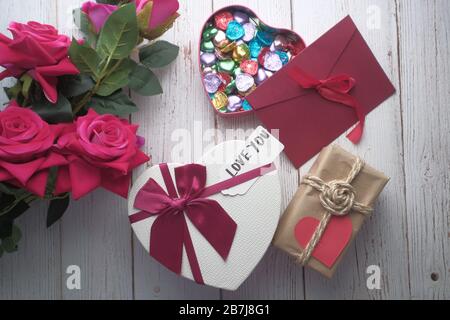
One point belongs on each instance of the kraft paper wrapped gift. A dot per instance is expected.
(328, 210)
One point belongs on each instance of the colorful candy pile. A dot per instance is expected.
(238, 53)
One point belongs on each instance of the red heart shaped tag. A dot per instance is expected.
(333, 241)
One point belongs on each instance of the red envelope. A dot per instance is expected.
(306, 120)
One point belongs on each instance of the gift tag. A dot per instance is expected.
(333, 241)
(260, 149)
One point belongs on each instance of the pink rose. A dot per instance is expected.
(163, 13)
(36, 49)
(102, 151)
(25, 149)
(98, 13)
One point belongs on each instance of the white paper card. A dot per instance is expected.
(261, 148)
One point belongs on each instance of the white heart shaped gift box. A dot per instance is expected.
(253, 208)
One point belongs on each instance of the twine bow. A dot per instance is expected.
(338, 198)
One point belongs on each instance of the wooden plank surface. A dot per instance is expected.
(424, 41)
(408, 138)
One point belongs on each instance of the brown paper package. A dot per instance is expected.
(333, 163)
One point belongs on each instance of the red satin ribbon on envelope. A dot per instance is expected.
(335, 89)
(169, 231)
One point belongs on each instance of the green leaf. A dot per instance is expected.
(74, 86)
(143, 16)
(144, 81)
(159, 54)
(14, 212)
(27, 81)
(9, 245)
(85, 58)
(57, 209)
(54, 113)
(6, 200)
(11, 208)
(118, 104)
(16, 234)
(117, 79)
(51, 182)
(8, 189)
(120, 33)
(13, 92)
(6, 228)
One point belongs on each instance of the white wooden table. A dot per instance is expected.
(408, 138)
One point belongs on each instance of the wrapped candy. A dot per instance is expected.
(250, 31)
(207, 46)
(272, 61)
(241, 52)
(234, 103)
(255, 48)
(261, 76)
(226, 66)
(220, 100)
(240, 17)
(244, 82)
(220, 40)
(222, 19)
(250, 67)
(212, 82)
(209, 33)
(208, 59)
(235, 31)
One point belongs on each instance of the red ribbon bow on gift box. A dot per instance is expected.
(335, 89)
(169, 231)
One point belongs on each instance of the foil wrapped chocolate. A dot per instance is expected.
(244, 82)
(240, 17)
(220, 40)
(235, 31)
(208, 59)
(234, 103)
(222, 19)
(241, 52)
(249, 31)
(212, 82)
(272, 61)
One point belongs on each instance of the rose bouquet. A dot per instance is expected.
(63, 133)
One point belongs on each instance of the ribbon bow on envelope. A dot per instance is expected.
(187, 198)
(334, 89)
